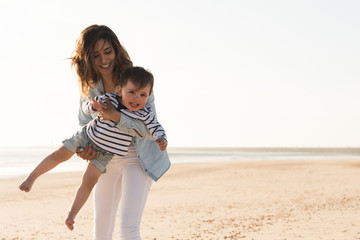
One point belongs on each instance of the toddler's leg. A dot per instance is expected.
(90, 177)
(58, 156)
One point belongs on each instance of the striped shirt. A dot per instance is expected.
(107, 136)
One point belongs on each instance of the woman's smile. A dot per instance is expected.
(105, 66)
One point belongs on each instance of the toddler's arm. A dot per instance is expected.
(155, 128)
(135, 126)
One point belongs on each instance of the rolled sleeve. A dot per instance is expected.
(84, 117)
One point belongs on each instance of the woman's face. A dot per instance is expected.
(104, 58)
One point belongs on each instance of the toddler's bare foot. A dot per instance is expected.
(26, 185)
(70, 222)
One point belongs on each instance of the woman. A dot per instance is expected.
(99, 60)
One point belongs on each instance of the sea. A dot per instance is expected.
(19, 161)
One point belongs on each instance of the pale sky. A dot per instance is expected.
(227, 73)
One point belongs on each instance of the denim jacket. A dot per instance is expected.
(154, 162)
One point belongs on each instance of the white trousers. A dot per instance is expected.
(124, 185)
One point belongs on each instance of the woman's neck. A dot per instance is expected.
(109, 86)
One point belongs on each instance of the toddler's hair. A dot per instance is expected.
(139, 76)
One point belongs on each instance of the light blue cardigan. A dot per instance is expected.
(154, 162)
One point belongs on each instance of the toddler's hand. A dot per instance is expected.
(161, 143)
(109, 112)
(97, 105)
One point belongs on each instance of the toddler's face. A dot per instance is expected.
(132, 98)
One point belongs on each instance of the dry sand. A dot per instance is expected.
(309, 199)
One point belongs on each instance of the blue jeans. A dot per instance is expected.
(79, 140)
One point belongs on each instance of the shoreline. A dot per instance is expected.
(350, 150)
(16, 162)
(262, 200)
(76, 165)
(355, 150)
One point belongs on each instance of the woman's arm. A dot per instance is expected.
(86, 115)
(83, 117)
(88, 152)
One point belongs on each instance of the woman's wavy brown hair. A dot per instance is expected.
(83, 56)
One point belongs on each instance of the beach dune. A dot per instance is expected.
(297, 199)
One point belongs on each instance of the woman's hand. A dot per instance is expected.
(87, 153)
(109, 112)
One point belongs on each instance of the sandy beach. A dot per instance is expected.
(308, 199)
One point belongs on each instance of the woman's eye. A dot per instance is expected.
(108, 52)
(95, 56)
